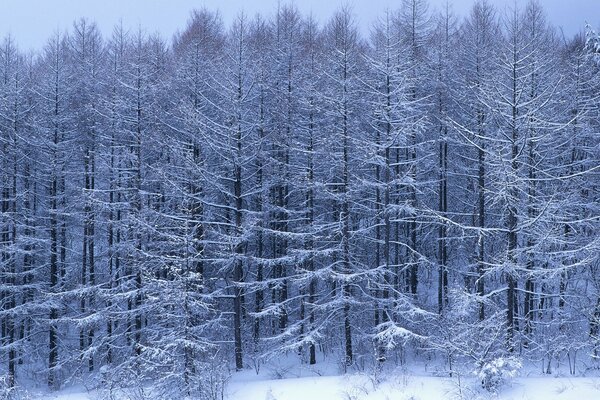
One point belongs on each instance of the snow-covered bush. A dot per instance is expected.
(12, 391)
(214, 382)
(462, 338)
(7, 390)
(497, 372)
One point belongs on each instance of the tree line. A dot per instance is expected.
(430, 191)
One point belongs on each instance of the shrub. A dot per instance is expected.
(497, 372)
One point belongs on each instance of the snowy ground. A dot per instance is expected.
(284, 378)
(399, 386)
(356, 387)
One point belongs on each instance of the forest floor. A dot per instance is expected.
(403, 387)
(282, 381)
(359, 387)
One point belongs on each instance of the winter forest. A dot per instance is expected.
(173, 211)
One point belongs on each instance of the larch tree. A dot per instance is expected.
(342, 101)
(86, 50)
(54, 124)
(16, 163)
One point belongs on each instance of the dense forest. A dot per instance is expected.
(175, 210)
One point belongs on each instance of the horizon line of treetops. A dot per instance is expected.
(170, 211)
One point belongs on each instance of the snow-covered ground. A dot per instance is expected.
(357, 387)
(400, 386)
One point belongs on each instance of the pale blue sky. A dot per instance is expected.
(31, 22)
